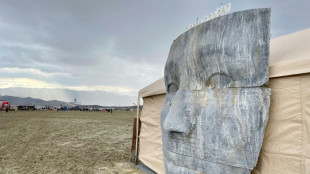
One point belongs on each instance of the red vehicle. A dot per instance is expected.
(4, 104)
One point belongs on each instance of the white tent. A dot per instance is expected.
(286, 146)
(150, 143)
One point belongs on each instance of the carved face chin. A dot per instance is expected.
(216, 109)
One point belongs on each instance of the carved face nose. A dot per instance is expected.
(178, 117)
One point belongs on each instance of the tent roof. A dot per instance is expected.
(156, 88)
(289, 55)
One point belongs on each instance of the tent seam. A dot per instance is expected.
(302, 126)
(281, 154)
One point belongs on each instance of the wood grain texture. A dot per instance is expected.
(216, 106)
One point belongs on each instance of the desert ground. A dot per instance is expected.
(66, 142)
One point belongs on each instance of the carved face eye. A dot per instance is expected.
(172, 87)
(219, 80)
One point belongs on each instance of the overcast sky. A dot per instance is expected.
(109, 46)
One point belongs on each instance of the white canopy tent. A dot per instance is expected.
(286, 146)
(150, 143)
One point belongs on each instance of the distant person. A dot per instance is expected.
(6, 108)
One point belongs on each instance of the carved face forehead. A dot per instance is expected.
(221, 53)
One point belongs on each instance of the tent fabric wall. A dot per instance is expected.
(286, 145)
(150, 136)
(156, 88)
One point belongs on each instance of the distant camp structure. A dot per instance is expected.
(5, 105)
(26, 108)
(39, 105)
(85, 108)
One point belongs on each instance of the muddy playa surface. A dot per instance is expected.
(66, 142)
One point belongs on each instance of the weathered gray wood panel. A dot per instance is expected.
(216, 109)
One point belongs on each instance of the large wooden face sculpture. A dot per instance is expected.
(216, 106)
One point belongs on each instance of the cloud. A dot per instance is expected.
(23, 83)
(32, 72)
(111, 46)
(32, 83)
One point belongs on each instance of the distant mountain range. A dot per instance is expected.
(16, 101)
(64, 95)
(31, 101)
